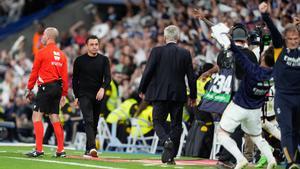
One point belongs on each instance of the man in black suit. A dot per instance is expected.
(163, 84)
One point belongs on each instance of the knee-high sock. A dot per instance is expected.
(231, 146)
(59, 133)
(264, 147)
(39, 134)
(272, 129)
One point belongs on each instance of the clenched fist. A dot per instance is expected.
(263, 7)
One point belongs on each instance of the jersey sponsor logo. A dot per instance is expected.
(262, 88)
(291, 61)
(56, 64)
(56, 55)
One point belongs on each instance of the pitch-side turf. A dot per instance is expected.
(12, 157)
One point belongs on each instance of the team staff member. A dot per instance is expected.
(91, 76)
(287, 85)
(163, 84)
(51, 74)
(245, 108)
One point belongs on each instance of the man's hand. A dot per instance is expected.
(29, 95)
(263, 7)
(205, 75)
(198, 13)
(62, 101)
(296, 21)
(76, 103)
(142, 96)
(100, 94)
(191, 102)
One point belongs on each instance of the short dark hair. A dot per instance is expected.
(91, 37)
(269, 56)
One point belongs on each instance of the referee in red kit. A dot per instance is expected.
(51, 74)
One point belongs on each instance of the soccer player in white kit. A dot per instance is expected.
(245, 108)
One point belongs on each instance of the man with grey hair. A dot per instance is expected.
(163, 84)
(50, 72)
(287, 80)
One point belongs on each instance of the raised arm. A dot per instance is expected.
(197, 13)
(249, 67)
(275, 34)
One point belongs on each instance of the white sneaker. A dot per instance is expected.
(294, 166)
(272, 165)
(241, 164)
(93, 152)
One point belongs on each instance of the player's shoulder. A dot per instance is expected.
(250, 54)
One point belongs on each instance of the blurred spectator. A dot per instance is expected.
(36, 40)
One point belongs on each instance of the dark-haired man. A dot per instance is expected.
(91, 76)
(245, 108)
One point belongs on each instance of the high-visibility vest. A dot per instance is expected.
(201, 88)
(145, 122)
(122, 112)
(113, 100)
(185, 115)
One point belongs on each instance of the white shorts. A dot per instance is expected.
(235, 115)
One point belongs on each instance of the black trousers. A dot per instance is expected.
(161, 109)
(90, 109)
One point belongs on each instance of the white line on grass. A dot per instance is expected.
(61, 162)
(109, 157)
(147, 165)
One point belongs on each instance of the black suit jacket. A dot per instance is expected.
(164, 75)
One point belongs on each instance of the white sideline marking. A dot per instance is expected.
(150, 164)
(61, 162)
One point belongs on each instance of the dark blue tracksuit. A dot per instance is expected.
(287, 95)
(254, 85)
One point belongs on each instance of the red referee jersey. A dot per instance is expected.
(50, 64)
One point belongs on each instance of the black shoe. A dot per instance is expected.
(167, 155)
(225, 165)
(171, 162)
(61, 154)
(35, 154)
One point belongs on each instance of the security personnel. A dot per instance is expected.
(113, 99)
(122, 112)
(50, 72)
(144, 120)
